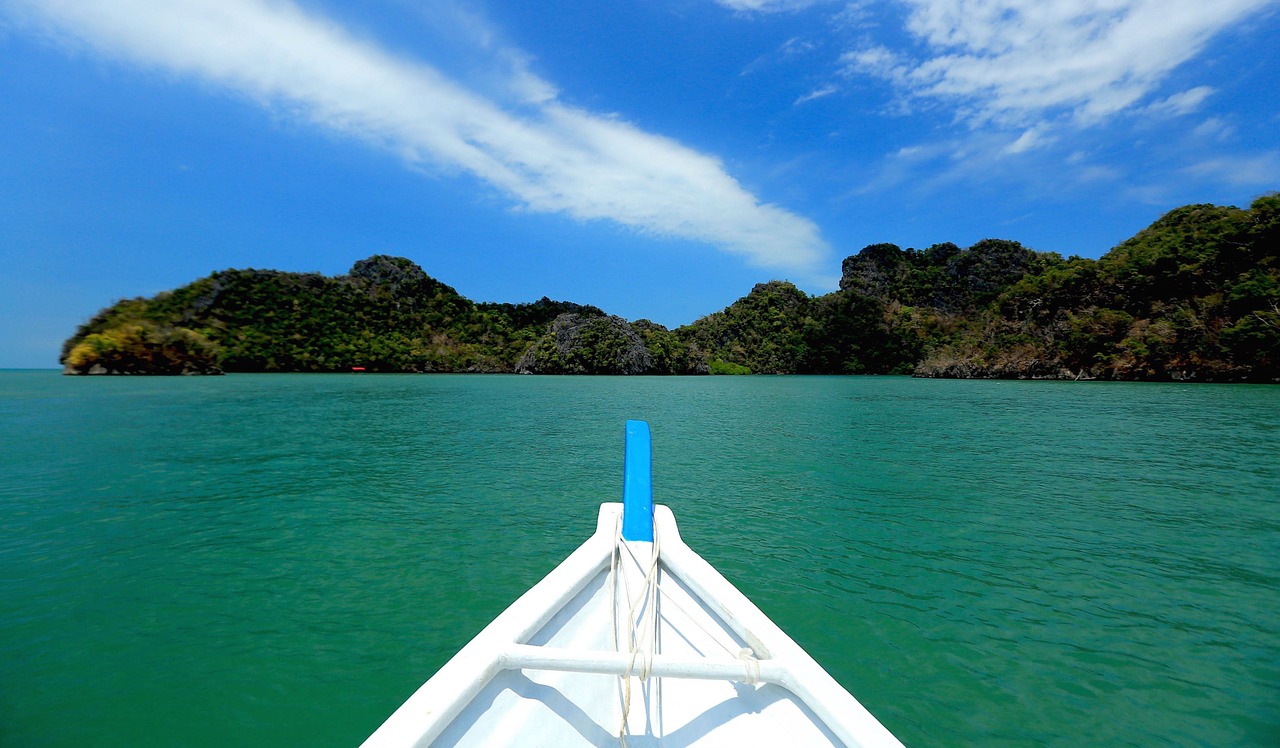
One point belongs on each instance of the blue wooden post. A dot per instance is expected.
(637, 484)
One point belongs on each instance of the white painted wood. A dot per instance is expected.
(546, 671)
(525, 657)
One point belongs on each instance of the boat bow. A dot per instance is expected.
(636, 642)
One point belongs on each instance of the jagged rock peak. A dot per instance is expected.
(587, 344)
(387, 270)
(396, 275)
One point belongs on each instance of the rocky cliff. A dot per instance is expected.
(601, 344)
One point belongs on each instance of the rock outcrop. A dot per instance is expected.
(585, 344)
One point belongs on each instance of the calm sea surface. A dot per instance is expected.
(281, 559)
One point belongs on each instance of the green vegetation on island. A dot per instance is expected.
(1195, 296)
(385, 315)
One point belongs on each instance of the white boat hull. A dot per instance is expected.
(593, 655)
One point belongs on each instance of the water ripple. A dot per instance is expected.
(285, 558)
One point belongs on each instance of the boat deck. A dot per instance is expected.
(569, 708)
(692, 663)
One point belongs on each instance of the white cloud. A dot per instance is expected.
(791, 49)
(817, 93)
(980, 161)
(1215, 128)
(548, 156)
(796, 46)
(1182, 103)
(855, 16)
(1011, 61)
(766, 6)
(1257, 170)
(876, 60)
(1032, 138)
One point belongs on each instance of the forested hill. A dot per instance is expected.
(385, 315)
(1195, 296)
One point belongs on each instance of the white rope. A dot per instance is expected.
(694, 620)
(615, 561)
(750, 661)
(645, 605)
(614, 557)
(751, 664)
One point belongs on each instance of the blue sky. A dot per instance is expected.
(656, 158)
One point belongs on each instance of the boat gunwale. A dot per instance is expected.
(441, 699)
(438, 702)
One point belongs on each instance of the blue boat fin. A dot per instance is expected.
(637, 484)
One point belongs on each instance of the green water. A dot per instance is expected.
(280, 559)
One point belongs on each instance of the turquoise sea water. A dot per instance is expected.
(280, 559)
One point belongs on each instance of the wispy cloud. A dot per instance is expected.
(1182, 103)
(817, 93)
(1032, 138)
(767, 6)
(1215, 128)
(1256, 170)
(545, 155)
(1012, 61)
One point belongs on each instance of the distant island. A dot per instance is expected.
(1193, 297)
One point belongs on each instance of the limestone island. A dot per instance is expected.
(1193, 297)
